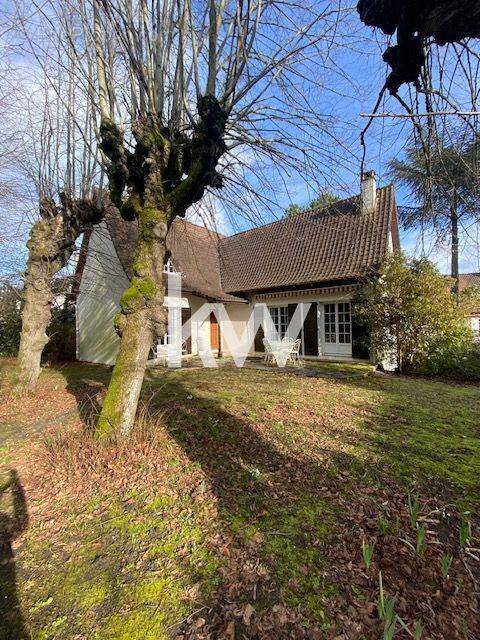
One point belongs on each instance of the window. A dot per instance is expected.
(330, 323)
(168, 267)
(280, 320)
(344, 326)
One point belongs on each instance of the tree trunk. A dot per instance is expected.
(140, 321)
(50, 247)
(36, 316)
(120, 405)
(43, 262)
(454, 254)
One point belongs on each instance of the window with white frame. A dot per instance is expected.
(280, 320)
(344, 324)
(330, 323)
(168, 267)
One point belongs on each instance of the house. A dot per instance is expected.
(320, 256)
(467, 280)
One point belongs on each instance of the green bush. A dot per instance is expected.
(458, 362)
(10, 321)
(61, 346)
(415, 320)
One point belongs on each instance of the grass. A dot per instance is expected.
(235, 496)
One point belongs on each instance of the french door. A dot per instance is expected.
(337, 329)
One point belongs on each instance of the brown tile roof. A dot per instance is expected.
(469, 280)
(331, 243)
(466, 280)
(194, 252)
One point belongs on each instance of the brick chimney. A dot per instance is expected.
(368, 193)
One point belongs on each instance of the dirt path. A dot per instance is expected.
(13, 431)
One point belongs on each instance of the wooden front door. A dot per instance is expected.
(214, 333)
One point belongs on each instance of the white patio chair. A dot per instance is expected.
(268, 357)
(294, 355)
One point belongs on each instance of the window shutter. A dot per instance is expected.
(186, 315)
(259, 346)
(310, 331)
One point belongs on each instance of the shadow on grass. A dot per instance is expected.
(291, 497)
(279, 507)
(12, 524)
(86, 382)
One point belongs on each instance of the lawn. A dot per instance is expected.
(239, 506)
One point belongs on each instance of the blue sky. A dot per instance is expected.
(365, 73)
(346, 97)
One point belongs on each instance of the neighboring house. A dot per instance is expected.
(319, 256)
(467, 280)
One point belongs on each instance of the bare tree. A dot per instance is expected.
(60, 163)
(184, 89)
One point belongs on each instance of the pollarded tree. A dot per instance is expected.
(184, 88)
(58, 163)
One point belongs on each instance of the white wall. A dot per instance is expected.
(103, 282)
(199, 327)
(344, 351)
(238, 314)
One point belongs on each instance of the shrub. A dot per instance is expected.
(413, 316)
(62, 344)
(10, 321)
(460, 362)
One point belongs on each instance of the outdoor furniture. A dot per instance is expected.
(294, 356)
(288, 348)
(268, 357)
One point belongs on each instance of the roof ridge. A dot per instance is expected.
(303, 214)
(200, 226)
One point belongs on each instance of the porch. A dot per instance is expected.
(309, 368)
(329, 330)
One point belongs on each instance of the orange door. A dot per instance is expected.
(214, 342)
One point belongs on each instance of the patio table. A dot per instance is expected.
(282, 347)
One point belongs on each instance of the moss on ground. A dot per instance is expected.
(125, 564)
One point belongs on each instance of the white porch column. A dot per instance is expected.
(320, 327)
(174, 306)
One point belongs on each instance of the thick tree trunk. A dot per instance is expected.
(50, 247)
(140, 321)
(165, 174)
(120, 405)
(35, 320)
(43, 262)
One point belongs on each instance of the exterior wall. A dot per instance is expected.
(102, 285)
(323, 350)
(200, 329)
(238, 314)
(103, 282)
